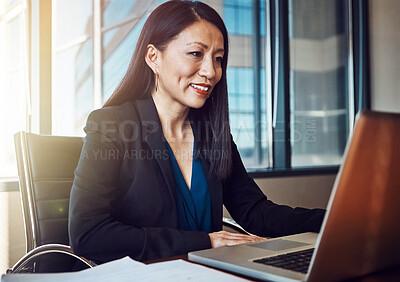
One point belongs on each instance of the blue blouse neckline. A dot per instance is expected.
(194, 204)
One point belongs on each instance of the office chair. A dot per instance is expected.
(46, 167)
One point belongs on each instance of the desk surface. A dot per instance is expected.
(391, 274)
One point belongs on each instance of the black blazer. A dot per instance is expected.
(123, 196)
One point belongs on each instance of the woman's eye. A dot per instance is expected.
(196, 54)
(219, 59)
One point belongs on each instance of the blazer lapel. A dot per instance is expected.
(152, 134)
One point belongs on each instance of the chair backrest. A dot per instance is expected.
(46, 166)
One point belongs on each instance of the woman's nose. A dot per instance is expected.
(207, 68)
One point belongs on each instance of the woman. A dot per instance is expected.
(158, 160)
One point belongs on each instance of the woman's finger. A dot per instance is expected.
(238, 235)
(223, 238)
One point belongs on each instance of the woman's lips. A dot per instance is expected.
(200, 88)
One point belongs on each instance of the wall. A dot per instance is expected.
(299, 191)
(304, 191)
(385, 54)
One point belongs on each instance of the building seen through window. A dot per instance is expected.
(320, 85)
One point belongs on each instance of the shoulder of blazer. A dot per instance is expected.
(123, 120)
(114, 123)
(141, 111)
(115, 114)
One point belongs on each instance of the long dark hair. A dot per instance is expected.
(163, 25)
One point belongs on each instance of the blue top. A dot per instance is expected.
(194, 204)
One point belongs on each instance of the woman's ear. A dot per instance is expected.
(152, 57)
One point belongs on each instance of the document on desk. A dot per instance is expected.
(126, 269)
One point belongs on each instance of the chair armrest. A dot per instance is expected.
(228, 222)
(47, 249)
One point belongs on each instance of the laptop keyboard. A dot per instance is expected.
(296, 261)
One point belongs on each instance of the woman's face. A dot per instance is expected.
(191, 65)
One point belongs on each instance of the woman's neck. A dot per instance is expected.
(173, 117)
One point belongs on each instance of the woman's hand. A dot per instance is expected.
(224, 238)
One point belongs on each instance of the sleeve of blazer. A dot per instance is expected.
(254, 212)
(94, 232)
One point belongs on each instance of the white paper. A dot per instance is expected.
(126, 269)
(180, 270)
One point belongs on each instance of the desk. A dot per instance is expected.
(391, 274)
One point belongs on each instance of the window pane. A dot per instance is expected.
(78, 15)
(12, 2)
(119, 43)
(262, 17)
(319, 85)
(84, 99)
(117, 11)
(13, 93)
(72, 89)
(229, 18)
(238, 17)
(118, 47)
(14, 47)
(13, 116)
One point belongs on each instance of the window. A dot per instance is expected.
(297, 72)
(245, 21)
(73, 69)
(316, 70)
(320, 81)
(14, 106)
(119, 40)
(90, 55)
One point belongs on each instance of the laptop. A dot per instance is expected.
(361, 229)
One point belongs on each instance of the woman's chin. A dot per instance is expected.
(199, 103)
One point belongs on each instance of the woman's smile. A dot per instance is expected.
(201, 88)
